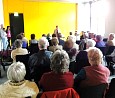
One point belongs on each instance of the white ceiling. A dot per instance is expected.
(69, 1)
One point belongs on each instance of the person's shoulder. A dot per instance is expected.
(48, 53)
(13, 50)
(34, 55)
(30, 83)
(48, 74)
(87, 67)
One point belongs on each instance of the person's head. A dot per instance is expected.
(23, 35)
(72, 38)
(53, 35)
(43, 35)
(19, 36)
(111, 36)
(1, 26)
(90, 43)
(60, 61)
(18, 43)
(99, 38)
(95, 56)
(8, 27)
(43, 43)
(54, 41)
(59, 35)
(85, 35)
(32, 36)
(70, 33)
(4, 29)
(75, 33)
(68, 44)
(57, 27)
(16, 72)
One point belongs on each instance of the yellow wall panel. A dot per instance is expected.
(42, 17)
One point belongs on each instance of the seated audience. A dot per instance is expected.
(60, 77)
(82, 45)
(71, 36)
(61, 41)
(49, 37)
(55, 45)
(82, 58)
(19, 50)
(96, 73)
(99, 41)
(24, 43)
(24, 40)
(33, 40)
(111, 40)
(39, 63)
(17, 86)
(72, 49)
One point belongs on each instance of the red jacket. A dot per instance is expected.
(51, 81)
(66, 93)
(95, 75)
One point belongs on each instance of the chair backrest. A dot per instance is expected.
(24, 59)
(93, 91)
(105, 39)
(111, 91)
(78, 42)
(81, 61)
(66, 93)
(110, 50)
(103, 50)
(33, 48)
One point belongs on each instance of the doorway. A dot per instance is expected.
(16, 25)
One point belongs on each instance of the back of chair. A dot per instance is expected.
(105, 39)
(33, 48)
(81, 61)
(66, 93)
(111, 92)
(110, 50)
(93, 91)
(24, 59)
(103, 50)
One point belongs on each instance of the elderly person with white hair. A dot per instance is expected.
(82, 58)
(96, 73)
(19, 50)
(40, 62)
(17, 86)
(60, 77)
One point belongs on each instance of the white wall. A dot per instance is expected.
(110, 18)
(1, 13)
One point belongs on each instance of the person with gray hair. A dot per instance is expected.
(60, 77)
(99, 41)
(17, 86)
(55, 45)
(40, 62)
(90, 43)
(96, 73)
(19, 50)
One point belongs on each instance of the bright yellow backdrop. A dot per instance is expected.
(42, 17)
